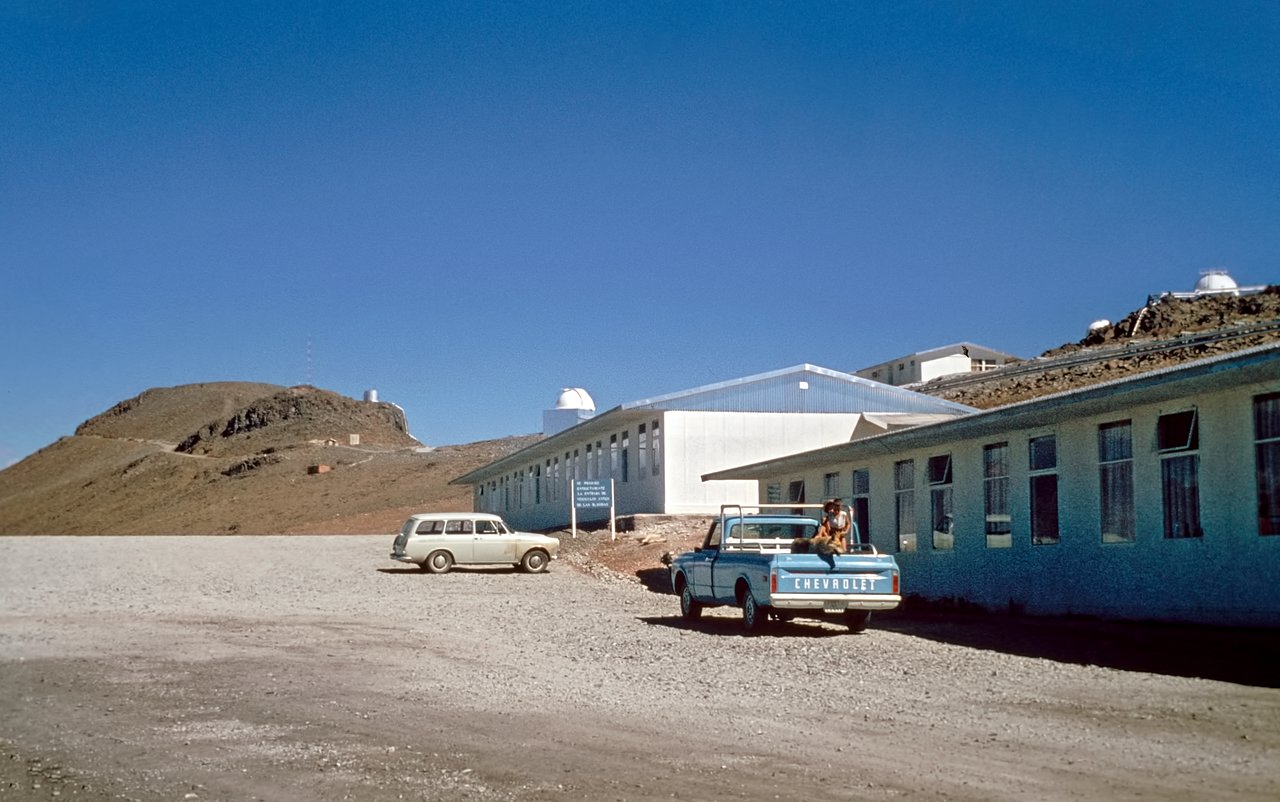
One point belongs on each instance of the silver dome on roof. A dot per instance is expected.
(575, 398)
(1215, 281)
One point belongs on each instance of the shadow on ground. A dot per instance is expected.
(1242, 656)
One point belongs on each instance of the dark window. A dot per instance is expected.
(1043, 464)
(1266, 431)
(1176, 434)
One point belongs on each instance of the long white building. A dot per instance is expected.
(657, 449)
(1151, 497)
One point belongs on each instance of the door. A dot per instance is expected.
(459, 536)
(698, 570)
(492, 545)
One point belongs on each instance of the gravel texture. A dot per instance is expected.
(314, 668)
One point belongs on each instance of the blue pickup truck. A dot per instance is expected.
(760, 561)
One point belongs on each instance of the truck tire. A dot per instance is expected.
(690, 608)
(857, 620)
(754, 616)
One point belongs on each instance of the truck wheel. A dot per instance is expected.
(534, 561)
(438, 562)
(857, 620)
(690, 608)
(754, 616)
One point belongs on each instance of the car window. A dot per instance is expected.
(458, 528)
(430, 527)
(713, 536)
(504, 529)
(486, 528)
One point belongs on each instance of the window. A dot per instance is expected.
(555, 479)
(773, 493)
(642, 445)
(626, 446)
(600, 466)
(537, 484)
(1177, 440)
(486, 528)
(995, 492)
(860, 505)
(1266, 431)
(939, 469)
(904, 493)
(613, 456)
(657, 448)
(591, 462)
(430, 528)
(457, 528)
(795, 493)
(1115, 480)
(830, 485)
(1043, 465)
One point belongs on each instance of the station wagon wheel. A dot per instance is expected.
(438, 562)
(690, 608)
(534, 561)
(857, 620)
(754, 616)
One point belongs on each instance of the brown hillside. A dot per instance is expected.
(243, 471)
(1164, 333)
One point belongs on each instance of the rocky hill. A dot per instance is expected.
(237, 458)
(1162, 333)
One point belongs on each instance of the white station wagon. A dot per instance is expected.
(436, 541)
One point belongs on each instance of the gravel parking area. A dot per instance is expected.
(315, 668)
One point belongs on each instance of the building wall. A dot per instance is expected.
(702, 442)
(1226, 576)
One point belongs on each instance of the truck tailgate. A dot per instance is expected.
(848, 577)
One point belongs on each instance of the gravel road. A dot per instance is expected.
(314, 668)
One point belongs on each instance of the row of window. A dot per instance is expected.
(1177, 438)
(548, 481)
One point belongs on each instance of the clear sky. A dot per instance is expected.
(468, 206)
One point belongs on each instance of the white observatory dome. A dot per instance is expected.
(1099, 325)
(1215, 281)
(575, 398)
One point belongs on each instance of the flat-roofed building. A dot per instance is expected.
(946, 360)
(1152, 497)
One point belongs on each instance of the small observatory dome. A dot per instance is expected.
(575, 398)
(1215, 281)
(1099, 325)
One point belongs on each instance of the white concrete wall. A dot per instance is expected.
(944, 366)
(703, 442)
(1225, 577)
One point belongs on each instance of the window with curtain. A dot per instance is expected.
(1115, 482)
(1178, 440)
(1266, 433)
(939, 470)
(904, 492)
(1043, 467)
(995, 491)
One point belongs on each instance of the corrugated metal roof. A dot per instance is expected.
(783, 391)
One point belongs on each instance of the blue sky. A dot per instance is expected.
(469, 206)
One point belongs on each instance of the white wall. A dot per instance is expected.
(1225, 577)
(944, 366)
(704, 442)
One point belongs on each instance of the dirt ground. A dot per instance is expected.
(314, 668)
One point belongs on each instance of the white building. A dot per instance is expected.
(656, 450)
(1211, 282)
(948, 360)
(1151, 497)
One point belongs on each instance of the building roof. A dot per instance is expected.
(802, 388)
(1261, 363)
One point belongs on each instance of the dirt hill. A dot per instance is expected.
(237, 458)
